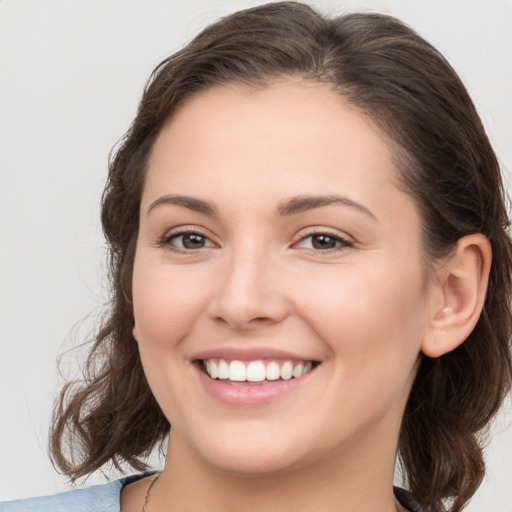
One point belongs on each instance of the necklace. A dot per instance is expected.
(148, 494)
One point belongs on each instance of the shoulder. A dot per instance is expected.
(96, 498)
(103, 497)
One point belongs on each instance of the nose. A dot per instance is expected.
(250, 292)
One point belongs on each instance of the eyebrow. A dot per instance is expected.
(191, 203)
(303, 203)
(292, 206)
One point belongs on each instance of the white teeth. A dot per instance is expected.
(272, 371)
(223, 371)
(237, 371)
(297, 370)
(213, 370)
(287, 370)
(255, 371)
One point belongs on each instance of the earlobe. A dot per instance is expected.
(134, 333)
(463, 283)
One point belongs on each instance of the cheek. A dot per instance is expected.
(166, 304)
(369, 317)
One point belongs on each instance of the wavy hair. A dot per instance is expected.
(445, 162)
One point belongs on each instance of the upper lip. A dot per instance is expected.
(250, 354)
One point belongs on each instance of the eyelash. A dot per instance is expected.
(341, 243)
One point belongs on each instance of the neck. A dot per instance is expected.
(350, 480)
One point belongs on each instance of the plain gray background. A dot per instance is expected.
(72, 72)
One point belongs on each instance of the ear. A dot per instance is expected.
(462, 283)
(134, 333)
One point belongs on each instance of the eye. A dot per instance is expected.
(188, 241)
(323, 242)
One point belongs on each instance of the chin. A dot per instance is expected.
(255, 453)
(253, 462)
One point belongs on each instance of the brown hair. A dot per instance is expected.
(445, 162)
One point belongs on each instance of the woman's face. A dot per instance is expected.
(274, 242)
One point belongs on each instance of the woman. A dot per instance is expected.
(311, 272)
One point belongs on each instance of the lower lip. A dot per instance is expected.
(249, 395)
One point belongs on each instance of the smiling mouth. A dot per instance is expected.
(255, 372)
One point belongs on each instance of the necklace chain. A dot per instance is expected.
(148, 494)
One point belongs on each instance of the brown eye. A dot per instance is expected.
(193, 241)
(189, 241)
(323, 242)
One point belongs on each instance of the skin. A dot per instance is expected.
(363, 309)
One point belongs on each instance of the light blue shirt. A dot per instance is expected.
(97, 498)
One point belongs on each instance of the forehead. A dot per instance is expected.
(292, 130)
